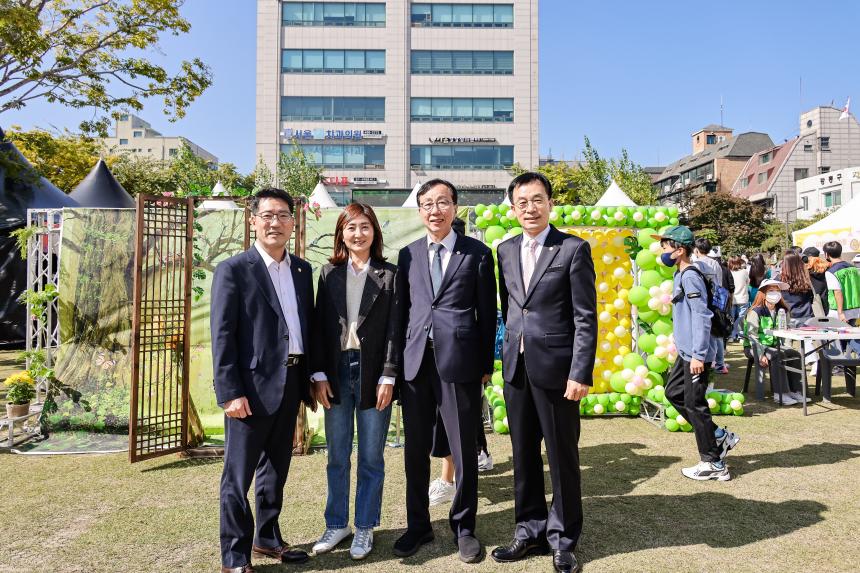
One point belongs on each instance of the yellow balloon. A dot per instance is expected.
(623, 350)
(610, 337)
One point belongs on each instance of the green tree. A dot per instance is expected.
(64, 159)
(94, 54)
(779, 235)
(734, 223)
(143, 175)
(297, 175)
(191, 174)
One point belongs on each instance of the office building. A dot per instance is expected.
(135, 136)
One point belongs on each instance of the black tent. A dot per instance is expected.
(100, 189)
(21, 188)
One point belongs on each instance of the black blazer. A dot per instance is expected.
(463, 314)
(558, 314)
(250, 341)
(378, 327)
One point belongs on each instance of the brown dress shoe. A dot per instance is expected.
(244, 569)
(282, 553)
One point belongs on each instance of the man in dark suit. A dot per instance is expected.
(449, 294)
(549, 305)
(261, 314)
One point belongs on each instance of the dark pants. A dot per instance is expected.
(535, 414)
(686, 392)
(783, 380)
(261, 445)
(441, 449)
(458, 405)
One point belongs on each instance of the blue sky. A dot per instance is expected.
(636, 75)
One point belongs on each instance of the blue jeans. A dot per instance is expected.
(720, 356)
(372, 432)
(739, 312)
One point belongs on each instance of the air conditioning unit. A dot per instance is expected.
(709, 177)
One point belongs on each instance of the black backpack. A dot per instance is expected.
(719, 301)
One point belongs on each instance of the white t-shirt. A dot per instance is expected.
(742, 283)
(833, 284)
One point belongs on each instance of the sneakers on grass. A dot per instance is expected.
(362, 543)
(441, 492)
(797, 397)
(727, 442)
(485, 461)
(330, 539)
(787, 400)
(704, 471)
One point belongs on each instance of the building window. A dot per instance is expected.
(333, 61)
(762, 177)
(462, 156)
(333, 14)
(825, 143)
(173, 152)
(462, 109)
(801, 173)
(745, 182)
(832, 199)
(463, 15)
(343, 156)
(333, 108)
(804, 203)
(823, 170)
(462, 62)
(137, 134)
(123, 117)
(710, 139)
(764, 158)
(123, 142)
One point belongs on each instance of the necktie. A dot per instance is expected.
(529, 262)
(436, 267)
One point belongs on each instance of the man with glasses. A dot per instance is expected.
(549, 305)
(261, 313)
(449, 295)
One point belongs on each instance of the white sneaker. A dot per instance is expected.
(787, 400)
(485, 461)
(441, 492)
(362, 543)
(330, 539)
(798, 397)
(706, 470)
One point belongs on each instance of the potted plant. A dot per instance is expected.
(20, 389)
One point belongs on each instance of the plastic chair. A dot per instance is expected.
(831, 355)
(753, 362)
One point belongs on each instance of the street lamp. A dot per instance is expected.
(787, 217)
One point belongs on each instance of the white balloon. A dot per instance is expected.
(627, 374)
(620, 406)
(598, 408)
(681, 420)
(662, 339)
(641, 371)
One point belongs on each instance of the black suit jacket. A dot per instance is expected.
(463, 314)
(558, 314)
(378, 327)
(250, 340)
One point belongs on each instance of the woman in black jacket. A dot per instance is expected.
(357, 359)
(817, 267)
(799, 295)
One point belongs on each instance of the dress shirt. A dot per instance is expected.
(352, 340)
(540, 238)
(448, 247)
(282, 280)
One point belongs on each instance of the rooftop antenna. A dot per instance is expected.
(721, 110)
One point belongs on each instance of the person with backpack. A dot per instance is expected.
(760, 322)
(688, 380)
(712, 269)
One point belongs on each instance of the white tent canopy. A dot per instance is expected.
(321, 197)
(218, 191)
(615, 197)
(412, 200)
(842, 225)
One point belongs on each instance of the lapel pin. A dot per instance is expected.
(458, 252)
(550, 248)
(299, 269)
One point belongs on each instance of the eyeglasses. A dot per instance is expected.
(537, 203)
(268, 218)
(442, 204)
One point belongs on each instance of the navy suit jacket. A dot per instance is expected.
(250, 339)
(463, 314)
(557, 315)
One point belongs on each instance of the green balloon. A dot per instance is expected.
(482, 223)
(626, 398)
(646, 259)
(672, 425)
(739, 411)
(671, 412)
(644, 237)
(516, 230)
(617, 382)
(603, 399)
(499, 412)
(479, 209)
(638, 296)
(494, 232)
(632, 361)
(656, 379)
(664, 271)
(633, 410)
(647, 343)
(504, 222)
(558, 209)
(500, 427)
(663, 326)
(613, 397)
(739, 397)
(659, 396)
(650, 279)
(648, 316)
(568, 209)
(715, 409)
(673, 221)
(591, 399)
(725, 409)
(492, 208)
(673, 211)
(498, 379)
(568, 220)
(687, 427)
(657, 364)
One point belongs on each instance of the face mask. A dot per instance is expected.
(773, 297)
(666, 259)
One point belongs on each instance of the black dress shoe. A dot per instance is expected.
(564, 561)
(294, 556)
(282, 553)
(411, 541)
(469, 548)
(520, 549)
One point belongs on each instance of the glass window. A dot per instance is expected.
(374, 155)
(442, 156)
(503, 109)
(333, 13)
(482, 14)
(482, 62)
(461, 156)
(441, 108)
(421, 107)
(461, 109)
(504, 62)
(123, 142)
(334, 61)
(353, 156)
(441, 61)
(313, 60)
(292, 60)
(483, 109)
(308, 12)
(442, 14)
(292, 12)
(503, 14)
(333, 155)
(421, 62)
(354, 60)
(762, 177)
(376, 14)
(462, 62)
(506, 155)
(333, 108)
(350, 11)
(461, 13)
(375, 61)
(421, 13)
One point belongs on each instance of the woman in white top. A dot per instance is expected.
(741, 296)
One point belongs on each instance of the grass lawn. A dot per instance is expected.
(792, 504)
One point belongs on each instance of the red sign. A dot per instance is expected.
(335, 180)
